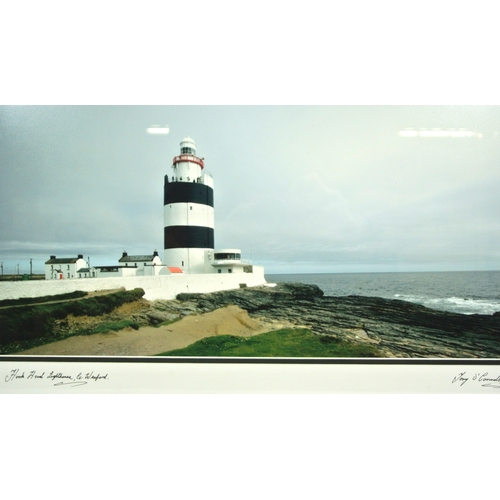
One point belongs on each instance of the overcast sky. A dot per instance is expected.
(297, 188)
(323, 188)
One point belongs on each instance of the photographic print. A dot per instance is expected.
(294, 237)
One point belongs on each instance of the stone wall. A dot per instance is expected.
(155, 287)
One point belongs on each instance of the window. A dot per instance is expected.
(227, 256)
(229, 270)
(219, 270)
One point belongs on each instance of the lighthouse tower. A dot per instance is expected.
(189, 213)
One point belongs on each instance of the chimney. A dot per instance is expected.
(52, 256)
(124, 254)
(155, 253)
(80, 256)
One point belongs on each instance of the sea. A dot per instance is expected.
(465, 292)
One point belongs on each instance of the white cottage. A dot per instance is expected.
(64, 268)
(140, 262)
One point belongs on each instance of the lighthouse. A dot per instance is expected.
(188, 205)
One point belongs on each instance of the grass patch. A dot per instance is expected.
(34, 325)
(110, 327)
(39, 300)
(288, 342)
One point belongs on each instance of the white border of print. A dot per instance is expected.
(241, 376)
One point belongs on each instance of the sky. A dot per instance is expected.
(299, 189)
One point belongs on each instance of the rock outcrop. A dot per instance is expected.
(396, 327)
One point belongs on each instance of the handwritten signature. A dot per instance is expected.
(485, 379)
(57, 377)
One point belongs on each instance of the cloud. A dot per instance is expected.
(305, 213)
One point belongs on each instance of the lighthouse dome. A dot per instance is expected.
(188, 146)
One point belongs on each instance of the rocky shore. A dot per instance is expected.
(397, 328)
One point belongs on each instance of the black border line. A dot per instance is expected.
(251, 361)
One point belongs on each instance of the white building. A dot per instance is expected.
(128, 266)
(140, 261)
(228, 260)
(64, 268)
(87, 272)
(134, 265)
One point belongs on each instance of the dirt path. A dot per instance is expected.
(148, 341)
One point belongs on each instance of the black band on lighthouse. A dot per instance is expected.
(188, 192)
(189, 237)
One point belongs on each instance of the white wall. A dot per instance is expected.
(235, 268)
(187, 169)
(207, 179)
(156, 287)
(195, 259)
(180, 214)
(157, 270)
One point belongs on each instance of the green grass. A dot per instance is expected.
(280, 343)
(110, 327)
(38, 300)
(26, 326)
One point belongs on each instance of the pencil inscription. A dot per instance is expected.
(484, 378)
(56, 377)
